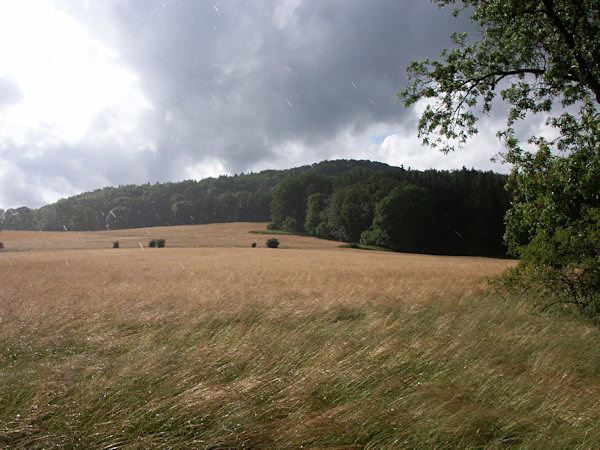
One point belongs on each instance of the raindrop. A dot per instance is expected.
(288, 102)
(288, 68)
(354, 84)
(216, 9)
(65, 228)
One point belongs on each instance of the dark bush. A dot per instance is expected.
(152, 243)
(273, 243)
(253, 244)
(160, 243)
(116, 244)
(1, 245)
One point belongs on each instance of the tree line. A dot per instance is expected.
(444, 212)
(458, 212)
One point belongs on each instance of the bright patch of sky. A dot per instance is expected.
(66, 78)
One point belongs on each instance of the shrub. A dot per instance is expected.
(152, 243)
(272, 226)
(253, 244)
(273, 243)
(160, 243)
(116, 244)
(1, 245)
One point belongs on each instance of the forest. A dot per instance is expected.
(439, 212)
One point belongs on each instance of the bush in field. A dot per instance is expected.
(273, 243)
(253, 244)
(152, 243)
(1, 245)
(160, 243)
(116, 244)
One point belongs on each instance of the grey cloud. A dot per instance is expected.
(67, 169)
(238, 81)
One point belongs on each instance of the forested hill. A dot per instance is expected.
(457, 212)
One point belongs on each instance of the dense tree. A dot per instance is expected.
(458, 212)
(183, 212)
(121, 217)
(315, 206)
(404, 221)
(540, 56)
(351, 211)
(18, 219)
(290, 196)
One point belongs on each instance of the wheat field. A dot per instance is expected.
(210, 343)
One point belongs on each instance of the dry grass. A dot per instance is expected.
(189, 236)
(240, 347)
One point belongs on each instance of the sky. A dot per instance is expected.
(97, 93)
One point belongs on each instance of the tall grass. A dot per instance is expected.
(253, 348)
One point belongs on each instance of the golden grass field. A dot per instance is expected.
(188, 236)
(210, 343)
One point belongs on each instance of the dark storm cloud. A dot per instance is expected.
(237, 81)
(237, 86)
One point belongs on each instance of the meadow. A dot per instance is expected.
(209, 343)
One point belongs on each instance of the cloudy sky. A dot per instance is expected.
(96, 93)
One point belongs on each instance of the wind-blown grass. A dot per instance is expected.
(240, 347)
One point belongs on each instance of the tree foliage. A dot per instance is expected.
(458, 212)
(404, 221)
(538, 57)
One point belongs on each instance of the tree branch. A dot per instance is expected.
(585, 74)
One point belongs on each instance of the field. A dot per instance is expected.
(210, 343)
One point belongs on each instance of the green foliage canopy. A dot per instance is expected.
(531, 52)
(538, 56)
(404, 221)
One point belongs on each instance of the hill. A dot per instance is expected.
(457, 212)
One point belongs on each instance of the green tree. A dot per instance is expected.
(350, 212)
(538, 56)
(121, 217)
(290, 197)
(404, 221)
(22, 218)
(182, 212)
(316, 204)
